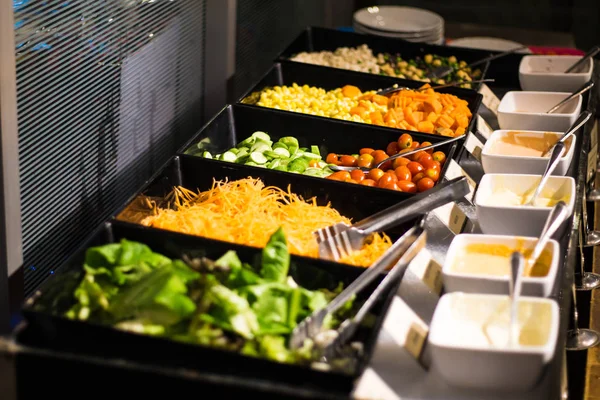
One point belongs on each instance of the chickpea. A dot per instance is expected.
(462, 64)
(451, 59)
(437, 63)
(403, 64)
(428, 59)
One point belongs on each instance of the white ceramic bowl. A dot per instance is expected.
(481, 282)
(464, 356)
(547, 73)
(519, 220)
(527, 111)
(494, 163)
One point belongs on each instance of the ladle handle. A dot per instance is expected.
(555, 219)
(593, 51)
(557, 153)
(582, 90)
(579, 122)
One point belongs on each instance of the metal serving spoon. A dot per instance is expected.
(407, 153)
(517, 262)
(440, 72)
(396, 88)
(582, 90)
(581, 120)
(573, 69)
(557, 153)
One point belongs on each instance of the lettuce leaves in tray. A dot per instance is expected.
(224, 303)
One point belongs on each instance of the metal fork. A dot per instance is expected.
(312, 324)
(347, 329)
(339, 240)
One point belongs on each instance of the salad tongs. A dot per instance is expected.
(339, 240)
(398, 257)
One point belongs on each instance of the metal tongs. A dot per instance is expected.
(339, 240)
(399, 256)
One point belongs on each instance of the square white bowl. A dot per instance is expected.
(509, 164)
(547, 73)
(519, 220)
(455, 281)
(527, 111)
(462, 356)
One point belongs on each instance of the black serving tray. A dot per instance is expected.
(43, 312)
(325, 39)
(236, 122)
(289, 73)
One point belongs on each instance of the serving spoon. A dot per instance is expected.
(517, 262)
(581, 90)
(555, 157)
(405, 154)
(396, 88)
(581, 120)
(573, 69)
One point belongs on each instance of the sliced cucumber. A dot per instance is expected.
(258, 158)
(274, 164)
(284, 153)
(234, 150)
(298, 165)
(322, 164)
(311, 156)
(271, 154)
(261, 136)
(280, 168)
(242, 152)
(279, 145)
(293, 149)
(260, 147)
(206, 154)
(229, 156)
(247, 142)
(315, 150)
(289, 141)
(251, 164)
(303, 148)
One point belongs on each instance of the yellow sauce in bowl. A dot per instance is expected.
(522, 144)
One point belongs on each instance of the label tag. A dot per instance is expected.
(474, 146)
(452, 216)
(490, 100)
(483, 127)
(428, 270)
(406, 328)
(455, 171)
(592, 164)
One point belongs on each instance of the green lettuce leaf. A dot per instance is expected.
(276, 258)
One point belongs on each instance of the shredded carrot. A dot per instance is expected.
(247, 212)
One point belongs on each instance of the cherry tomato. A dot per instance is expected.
(365, 160)
(375, 174)
(385, 179)
(368, 182)
(416, 178)
(405, 141)
(400, 162)
(427, 164)
(422, 156)
(390, 186)
(348, 161)
(332, 159)
(407, 186)
(386, 166)
(414, 167)
(357, 175)
(393, 175)
(439, 156)
(403, 173)
(313, 163)
(350, 181)
(424, 184)
(433, 174)
(379, 156)
(366, 150)
(392, 149)
(430, 151)
(414, 145)
(340, 176)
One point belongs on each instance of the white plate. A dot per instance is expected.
(398, 19)
(433, 39)
(435, 32)
(488, 43)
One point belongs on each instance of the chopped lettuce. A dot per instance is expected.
(276, 258)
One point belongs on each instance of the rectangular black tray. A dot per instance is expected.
(236, 122)
(99, 340)
(325, 39)
(331, 78)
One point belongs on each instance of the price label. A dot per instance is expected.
(415, 340)
(483, 127)
(406, 328)
(455, 171)
(592, 164)
(474, 146)
(452, 216)
(490, 100)
(433, 276)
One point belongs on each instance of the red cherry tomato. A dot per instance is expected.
(390, 186)
(429, 164)
(433, 174)
(392, 149)
(357, 175)
(385, 179)
(425, 184)
(414, 167)
(379, 156)
(405, 141)
(439, 157)
(375, 174)
(341, 176)
(368, 182)
(416, 178)
(430, 151)
(366, 150)
(400, 162)
(407, 186)
(365, 161)
(348, 161)
(331, 158)
(403, 173)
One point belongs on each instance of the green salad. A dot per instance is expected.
(225, 303)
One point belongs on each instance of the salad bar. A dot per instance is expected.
(323, 238)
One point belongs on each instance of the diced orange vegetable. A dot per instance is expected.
(432, 117)
(351, 91)
(376, 118)
(360, 111)
(459, 131)
(462, 121)
(418, 116)
(445, 121)
(381, 100)
(432, 105)
(425, 126)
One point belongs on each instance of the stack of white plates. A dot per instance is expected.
(407, 23)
